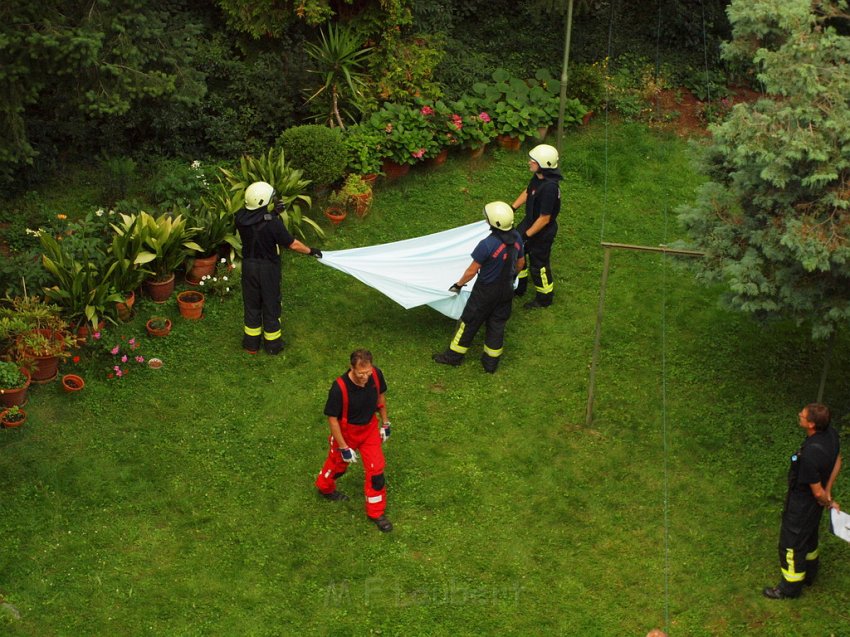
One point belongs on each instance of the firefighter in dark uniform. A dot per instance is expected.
(495, 260)
(814, 468)
(542, 200)
(263, 233)
(353, 401)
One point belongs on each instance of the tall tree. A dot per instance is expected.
(773, 219)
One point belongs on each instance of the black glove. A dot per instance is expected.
(523, 236)
(455, 289)
(315, 252)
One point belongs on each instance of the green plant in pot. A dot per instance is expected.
(363, 149)
(82, 289)
(289, 185)
(126, 250)
(214, 220)
(357, 194)
(14, 416)
(13, 384)
(168, 240)
(408, 135)
(317, 150)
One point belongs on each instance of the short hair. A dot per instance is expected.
(818, 414)
(360, 356)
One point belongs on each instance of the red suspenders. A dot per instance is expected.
(344, 389)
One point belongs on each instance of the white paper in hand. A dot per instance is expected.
(840, 524)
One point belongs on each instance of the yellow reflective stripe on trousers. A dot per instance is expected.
(495, 353)
(454, 344)
(523, 274)
(790, 574)
(547, 285)
(253, 331)
(811, 557)
(271, 336)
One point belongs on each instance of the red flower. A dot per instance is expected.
(76, 359)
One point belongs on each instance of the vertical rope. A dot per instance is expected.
(607, 105)
(664, 264)
(705, 52)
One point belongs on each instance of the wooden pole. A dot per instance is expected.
(827, 355)
(599, 310)
(565, 72)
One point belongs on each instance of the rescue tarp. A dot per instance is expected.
(416, 271)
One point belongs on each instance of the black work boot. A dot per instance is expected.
(489, 363)
(334, 496)
(274, 347)
(383, 523)
(521, 286)
(250, 343)
(541, 300)
(448, 358)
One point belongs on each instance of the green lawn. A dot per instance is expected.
(180, 501)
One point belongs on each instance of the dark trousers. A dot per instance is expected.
(537, 265)
(261, 303)
(490, 305)
(798, 544)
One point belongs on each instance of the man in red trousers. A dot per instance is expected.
(353, 401)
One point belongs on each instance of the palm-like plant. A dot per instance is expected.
(340, 61)
(288, 185)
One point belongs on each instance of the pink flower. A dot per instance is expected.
(116, 368)
(119, 373)
(124, 358)
(484, 117)
(132, 341)
(457, 120)
(418, 153)
(427, 110)
(140, 359)
(116, 349)
(96, 336)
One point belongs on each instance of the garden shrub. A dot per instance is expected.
(118, 174)
(317, 150)
(176, 183)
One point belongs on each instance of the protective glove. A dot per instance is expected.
(385, 431)
(524, 237)
(455, 289)
(349, 455)
(315, 252)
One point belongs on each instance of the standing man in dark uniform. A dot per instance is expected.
(495, 260)
(813, 471)
(263, 233)
(353, 400)
(542, 200)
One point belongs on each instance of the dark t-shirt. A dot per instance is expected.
(261, 238)
(815, 460)
(543, 197)
(362, 401)
(492, 254)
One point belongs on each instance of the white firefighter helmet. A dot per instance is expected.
(545, 155)
(257, 195)
(499, 215)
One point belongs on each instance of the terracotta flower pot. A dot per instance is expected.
(439, 159)
(17, 396)
(335, 214)
(477, 152)
(586, 118)
(370, 179)
(201, 267)
(160, 291)
(158, 331)
(84, 330)
(72, 383)
(44, 368)
(393, 170)
(191, 304)
(362, 203)
(509, 142)
(7, 421)
(125, 309)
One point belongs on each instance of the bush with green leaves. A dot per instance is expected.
(317, 150)
(177, 183)
(11, 376)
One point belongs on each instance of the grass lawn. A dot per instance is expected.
(180, 501)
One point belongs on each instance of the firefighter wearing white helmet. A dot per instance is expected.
(542, 201)
(495, 260)
(263, 233)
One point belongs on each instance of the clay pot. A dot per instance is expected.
(439, 159)
(370, 179)
(477, 152)
(72, 383)
(191, 304)
(84, 330)
(158, 331)
(585, 120)
(125, 309)
(17, 396)
(8, 423)
(392, 170)
(160, 291)
(509, 142)
(362, 203)
(335, 214)
(44, 368)
(201, 267)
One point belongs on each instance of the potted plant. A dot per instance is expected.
(475, 129)
(167, 241)
(358, 194)
(72, 383)
(128, 253)
(336, 209)
(13, 417)
(158, 326)
(408, 137)
(44, 348)
(287, 182)
(221, 281)
(14, 382)
(363, 151)
(215, 225)
(190, 304)
(81, 288)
